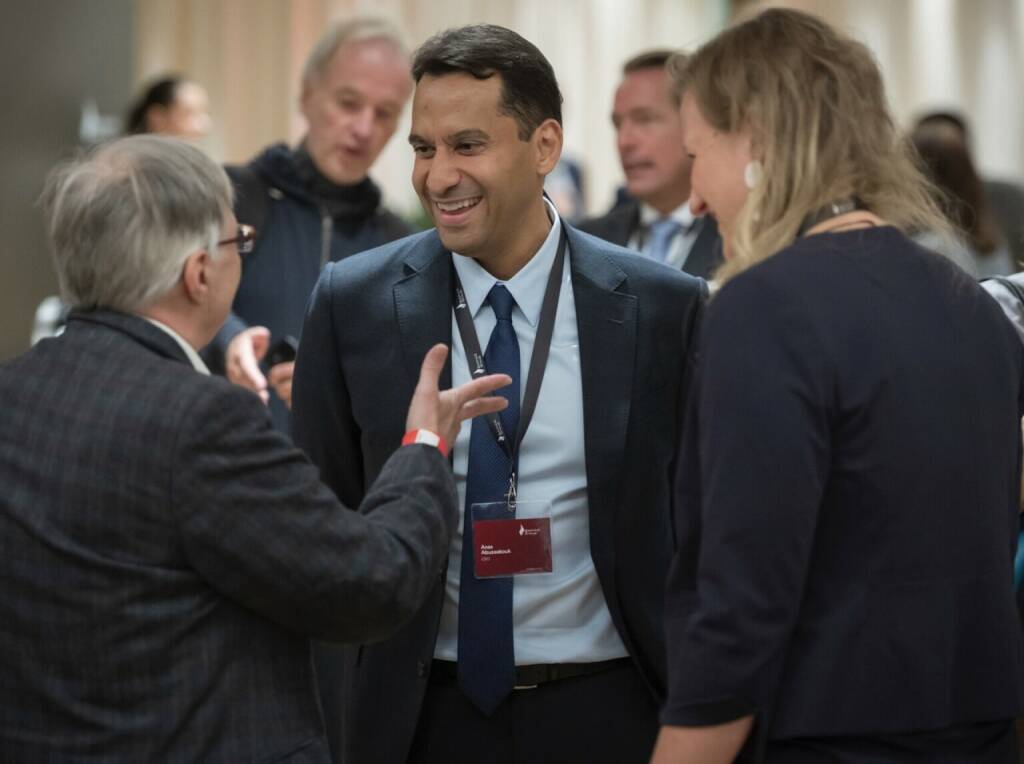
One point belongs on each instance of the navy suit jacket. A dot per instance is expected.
(165, 553)
(848, 508)
(372, 318)
(620, 223)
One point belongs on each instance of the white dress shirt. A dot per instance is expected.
(190, 352)
(682, 242)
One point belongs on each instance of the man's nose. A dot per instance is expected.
(443, 174)
(362, 123)
(625, 140)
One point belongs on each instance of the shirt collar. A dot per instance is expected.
(190, 353)
(527, 286)
(681, 213)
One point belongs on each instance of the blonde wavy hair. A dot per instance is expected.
(815, 104)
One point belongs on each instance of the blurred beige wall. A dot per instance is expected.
(54, 56)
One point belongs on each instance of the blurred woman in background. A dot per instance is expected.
(847, 497)
(961, 195)
(172, 106)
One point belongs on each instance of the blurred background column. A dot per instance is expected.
(55, 56)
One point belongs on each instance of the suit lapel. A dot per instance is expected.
(626, 224)
(423, 309)
(606, 317)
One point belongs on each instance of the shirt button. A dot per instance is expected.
(421, 669)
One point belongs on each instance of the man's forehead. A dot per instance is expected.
(363, 65)
(460, 100)
(373, 50)
(653, 81)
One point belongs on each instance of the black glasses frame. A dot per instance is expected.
(246, 239)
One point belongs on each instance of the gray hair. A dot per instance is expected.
(123, 218)
(345, 32)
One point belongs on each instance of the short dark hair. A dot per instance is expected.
(649, 59)
(529, 90)
(951, 118)
(161, 92)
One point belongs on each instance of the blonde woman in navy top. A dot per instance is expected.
(847, 495)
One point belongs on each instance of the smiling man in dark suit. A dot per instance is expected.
(656, 219)
(558, 657)
(164, 551)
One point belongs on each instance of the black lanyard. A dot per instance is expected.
(829, 211)
(538, 359)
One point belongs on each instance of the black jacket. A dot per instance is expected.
(303, 221)
(847, 504)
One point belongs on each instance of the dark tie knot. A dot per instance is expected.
(502, 302)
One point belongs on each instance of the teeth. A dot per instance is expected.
(456, 206)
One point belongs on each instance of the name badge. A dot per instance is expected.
(507, 543)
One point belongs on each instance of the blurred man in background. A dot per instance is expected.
(656, 221)
(315, 203)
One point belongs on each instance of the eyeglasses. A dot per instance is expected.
(245, 239)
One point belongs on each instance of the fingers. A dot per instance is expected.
(482, 406)
(260, 336)
(281, 374)
(280, 378)
(245, 362)
(430, 370)
(480, 387)
(242, 361)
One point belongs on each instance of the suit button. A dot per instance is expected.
(421, 669)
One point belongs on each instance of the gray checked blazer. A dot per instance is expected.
(165, 555)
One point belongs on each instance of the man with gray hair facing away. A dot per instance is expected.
(165, 552)
(315, 203)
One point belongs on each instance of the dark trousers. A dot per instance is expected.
(608, 717)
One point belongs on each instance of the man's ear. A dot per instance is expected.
(547, 143)
(195, 276)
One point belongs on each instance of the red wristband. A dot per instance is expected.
(427, 438)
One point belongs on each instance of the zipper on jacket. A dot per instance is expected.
(326, 229)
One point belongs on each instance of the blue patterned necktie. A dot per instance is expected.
(486, 667)
(662, 231)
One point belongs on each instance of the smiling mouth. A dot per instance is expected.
(458, 206)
